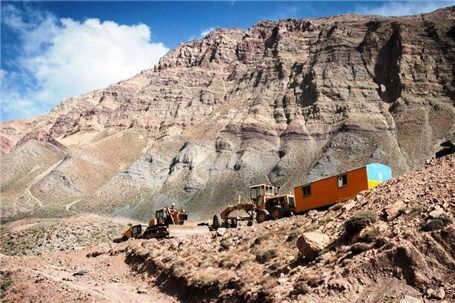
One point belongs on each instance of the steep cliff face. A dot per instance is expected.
(282, 102)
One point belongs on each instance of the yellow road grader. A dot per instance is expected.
(168, 222)
(265, 204)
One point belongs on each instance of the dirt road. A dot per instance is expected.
(81, 276)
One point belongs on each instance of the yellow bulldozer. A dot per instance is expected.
(265, 204)
(168, 222)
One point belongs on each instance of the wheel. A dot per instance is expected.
(277, 212)
(233, 223)
(217, 221)
(262, 216)
(124, 238)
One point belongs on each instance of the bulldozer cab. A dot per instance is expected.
(137, 230)
(171, 216)
(259, 193)
(162, 216)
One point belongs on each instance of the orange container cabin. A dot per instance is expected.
(341, 187)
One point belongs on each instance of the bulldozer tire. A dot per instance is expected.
(262, 216)
(277, 212)
(216, 222)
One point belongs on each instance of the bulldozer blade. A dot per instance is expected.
(185, 230)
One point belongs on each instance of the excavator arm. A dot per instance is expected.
(247, 207)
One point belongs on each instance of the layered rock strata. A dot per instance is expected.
(282, 102)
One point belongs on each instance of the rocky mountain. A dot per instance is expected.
(281, 102)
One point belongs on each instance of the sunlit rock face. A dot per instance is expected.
(283, 102)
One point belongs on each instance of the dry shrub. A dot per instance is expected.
(267, 254)
(369, 235)
(226, 263)
(435, 224)
(205, 278)
(6, 281)
(311, 227)
(312, 280)
(232, 259)
(261, 238)
(269, 287)
(300, 288)
(294, 234)
(204, 264)
(226, 276)
(358, 248)
(242, 263)
(358, 222)
(412, 211)
(167, 259)
(224, 245)
(179, 267)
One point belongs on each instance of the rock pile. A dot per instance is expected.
(376, 247)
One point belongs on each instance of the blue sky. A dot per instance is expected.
(54, 50)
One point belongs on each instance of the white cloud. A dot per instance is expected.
(206, 31)
(64, 58)
(202, 34)
(393, 8)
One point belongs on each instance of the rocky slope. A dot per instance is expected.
(282, 102)
(36, 236)
(395, 243)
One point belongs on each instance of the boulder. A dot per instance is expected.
(392, 211)
(438, 294)
(409, 299)
(221, 231)
(310, 244)
(437, 212)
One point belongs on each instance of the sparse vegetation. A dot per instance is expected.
(294, 234)
(415, 210)
(44, 235)
(264, 255)
(360, 220)
(435, 224)
(369, 235)
(261, 238)
(5, 282)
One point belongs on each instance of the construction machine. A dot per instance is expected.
(168, 222)
(447, 148)
(265, 203)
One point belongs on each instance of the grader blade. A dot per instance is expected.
(186, 230)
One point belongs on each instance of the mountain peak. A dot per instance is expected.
(283, 102)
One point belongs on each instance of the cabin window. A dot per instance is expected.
(307, 191)
(253, 193)
(342, 181)
(291, 201)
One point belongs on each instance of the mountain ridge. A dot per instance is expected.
(281, 102)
